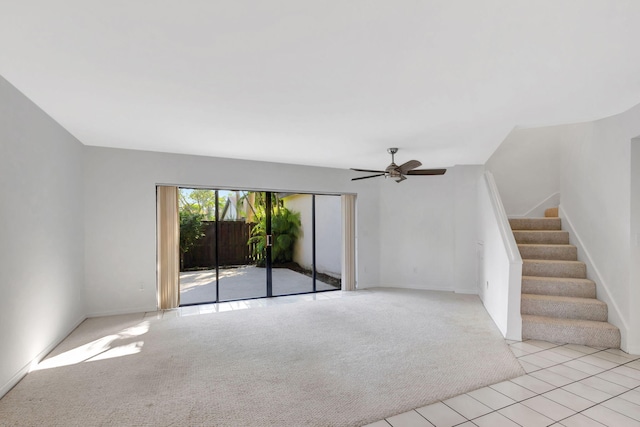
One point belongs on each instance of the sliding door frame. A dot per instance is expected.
(268, 261)
(348, 241)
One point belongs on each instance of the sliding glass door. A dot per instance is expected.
(255, 244)
(239, 276)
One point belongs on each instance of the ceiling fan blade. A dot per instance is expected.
(370, 176)
(366, 170)
(406, 167)
(427, 172)
(401, 178)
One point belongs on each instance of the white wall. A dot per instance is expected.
(596, 199)
(120, 215)
(634, 252)
(527, 168)
(428, 231)
(466, 228)
(41, 229)
(328, 233)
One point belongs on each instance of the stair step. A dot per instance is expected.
(552, 268)
(559, 286)
(535, 223)
(545, 237)
(564, 307)
(552, 252)
(551, 213)
(570, 331)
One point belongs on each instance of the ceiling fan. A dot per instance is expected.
(398, 172)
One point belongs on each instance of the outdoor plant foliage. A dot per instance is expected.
(190, 230)
(285, 228)
(198, 201)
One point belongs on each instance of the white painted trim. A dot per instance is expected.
(503, 222)
(434, 289)
(538, 210)
(419, 288)
(27, 368)
(466, 291)
(123, 311)
(615, 316)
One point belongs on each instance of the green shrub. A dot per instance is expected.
(285, 228)
(191, 230)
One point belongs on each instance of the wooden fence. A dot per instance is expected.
(233, 248)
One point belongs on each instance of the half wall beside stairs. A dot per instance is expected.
(499, 262)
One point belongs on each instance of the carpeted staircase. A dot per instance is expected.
(558, 301)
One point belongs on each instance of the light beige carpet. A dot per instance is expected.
(340, 362)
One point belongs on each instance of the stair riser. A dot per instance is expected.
(571, 335)
(541, 237)
(551, 212)
(554, 252)
(560, 289)
(535, 223)
(555, 269)
(564, 310)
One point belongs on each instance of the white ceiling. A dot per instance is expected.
(328, 83)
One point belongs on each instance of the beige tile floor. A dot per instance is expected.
(565, 385)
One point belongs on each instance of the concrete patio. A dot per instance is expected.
(242, 283)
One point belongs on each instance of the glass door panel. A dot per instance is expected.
(328, 260)
(241, 273)
(197, 245)
(292, 228)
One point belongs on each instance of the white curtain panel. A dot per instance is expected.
(168, 236)
(348, 242)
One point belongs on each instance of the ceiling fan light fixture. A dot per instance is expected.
(398, 172)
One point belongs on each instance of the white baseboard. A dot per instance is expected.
(133, 310)
(15, 379)
(615, 316)
(466, 291)
(415, 287)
